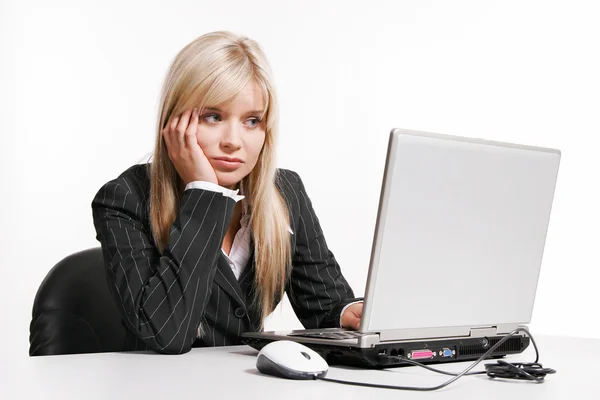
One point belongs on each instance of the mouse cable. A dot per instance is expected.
(523, 371)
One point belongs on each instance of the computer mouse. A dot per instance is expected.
(291, 360)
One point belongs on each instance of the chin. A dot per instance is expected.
(227, 180)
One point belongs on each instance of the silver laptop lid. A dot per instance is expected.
(460, 234)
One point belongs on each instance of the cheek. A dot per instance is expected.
(206, 138)
(254, 146)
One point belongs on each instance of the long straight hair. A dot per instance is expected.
(209, 71)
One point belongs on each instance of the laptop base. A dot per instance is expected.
(386, 355)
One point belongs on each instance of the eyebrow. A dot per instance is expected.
(260, 112)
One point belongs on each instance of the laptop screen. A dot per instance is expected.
(460, 234)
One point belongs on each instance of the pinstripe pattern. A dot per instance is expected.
(165, 301)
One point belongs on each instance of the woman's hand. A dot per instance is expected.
(351, 316)
(184, 151)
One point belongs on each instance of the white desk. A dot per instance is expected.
(229, 372)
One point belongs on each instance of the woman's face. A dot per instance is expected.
(232, 135)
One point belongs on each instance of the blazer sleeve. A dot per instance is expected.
(317, 290)
(162, 298)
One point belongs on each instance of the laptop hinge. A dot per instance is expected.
(482, 332)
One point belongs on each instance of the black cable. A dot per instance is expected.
(439, 371)
(523, 371)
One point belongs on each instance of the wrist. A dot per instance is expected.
(200, 179)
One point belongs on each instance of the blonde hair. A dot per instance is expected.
(212, 70)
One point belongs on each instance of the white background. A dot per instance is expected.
(79, 92)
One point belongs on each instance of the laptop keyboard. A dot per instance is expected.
(338, 335)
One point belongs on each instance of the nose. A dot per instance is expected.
(232, 136)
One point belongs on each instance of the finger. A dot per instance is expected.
(182, 126)
(173, 123)
(352, 323)
(190, 132)
(167, 131)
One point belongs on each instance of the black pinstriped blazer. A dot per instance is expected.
(164, 300)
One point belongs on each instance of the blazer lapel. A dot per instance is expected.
(247, 278)
(225, 278)
(246, 283)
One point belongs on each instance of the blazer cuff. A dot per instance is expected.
(213, 187)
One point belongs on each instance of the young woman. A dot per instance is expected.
(201, 243)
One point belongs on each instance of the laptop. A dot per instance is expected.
(457, 250)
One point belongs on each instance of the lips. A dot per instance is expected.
(226, 164)
(229, 159)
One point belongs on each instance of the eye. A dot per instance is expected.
(252, 122)
(211, 118)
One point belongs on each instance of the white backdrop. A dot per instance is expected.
(79, 91)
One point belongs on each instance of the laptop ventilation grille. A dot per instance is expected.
(511, 345)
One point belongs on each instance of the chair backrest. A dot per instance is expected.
(73, 310)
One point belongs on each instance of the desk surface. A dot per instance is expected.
(230, 372)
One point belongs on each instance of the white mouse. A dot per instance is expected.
(291, 360)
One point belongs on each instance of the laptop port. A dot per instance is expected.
(446, 353)
(421, 354)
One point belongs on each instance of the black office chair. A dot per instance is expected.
(73, 310)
